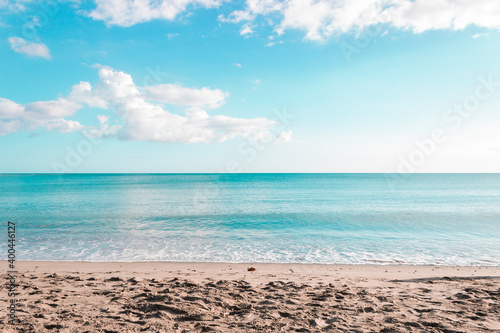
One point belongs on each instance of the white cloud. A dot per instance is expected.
(14, 6)
(252, 9)
(126, 13)
(147, 121)
(178, 95)
(264, 7)
(323, 18)
(103, 119)
(172, 36)
(32, 49)
(140, 118)
(9, 109)
(59, 108)
(480, 35)
(285, 136)
(84, 93)
(48, 114)
(246, 29)
(104, 130)
(320, 19)
(238, 65)
(422, 15)
(237, 16)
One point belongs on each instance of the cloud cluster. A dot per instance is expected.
(178, 95)
(320, 19)
(48, 115)
(31, 49)
(422, 15)
(126, 13)
(141, 112)
(13, 6)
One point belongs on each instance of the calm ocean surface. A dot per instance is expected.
(317, 218)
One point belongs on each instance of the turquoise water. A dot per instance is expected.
(320, 218)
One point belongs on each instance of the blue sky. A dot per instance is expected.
(249, 86)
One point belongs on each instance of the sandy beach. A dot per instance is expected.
(223, 297)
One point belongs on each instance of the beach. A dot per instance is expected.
(190, 166)
(252, 253)
(224, 297)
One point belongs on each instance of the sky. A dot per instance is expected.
(188, 86)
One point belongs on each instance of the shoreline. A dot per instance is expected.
(296, 272)
(47, 263)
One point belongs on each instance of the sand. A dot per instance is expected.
(221, 297)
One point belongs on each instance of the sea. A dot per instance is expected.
(443, 219)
